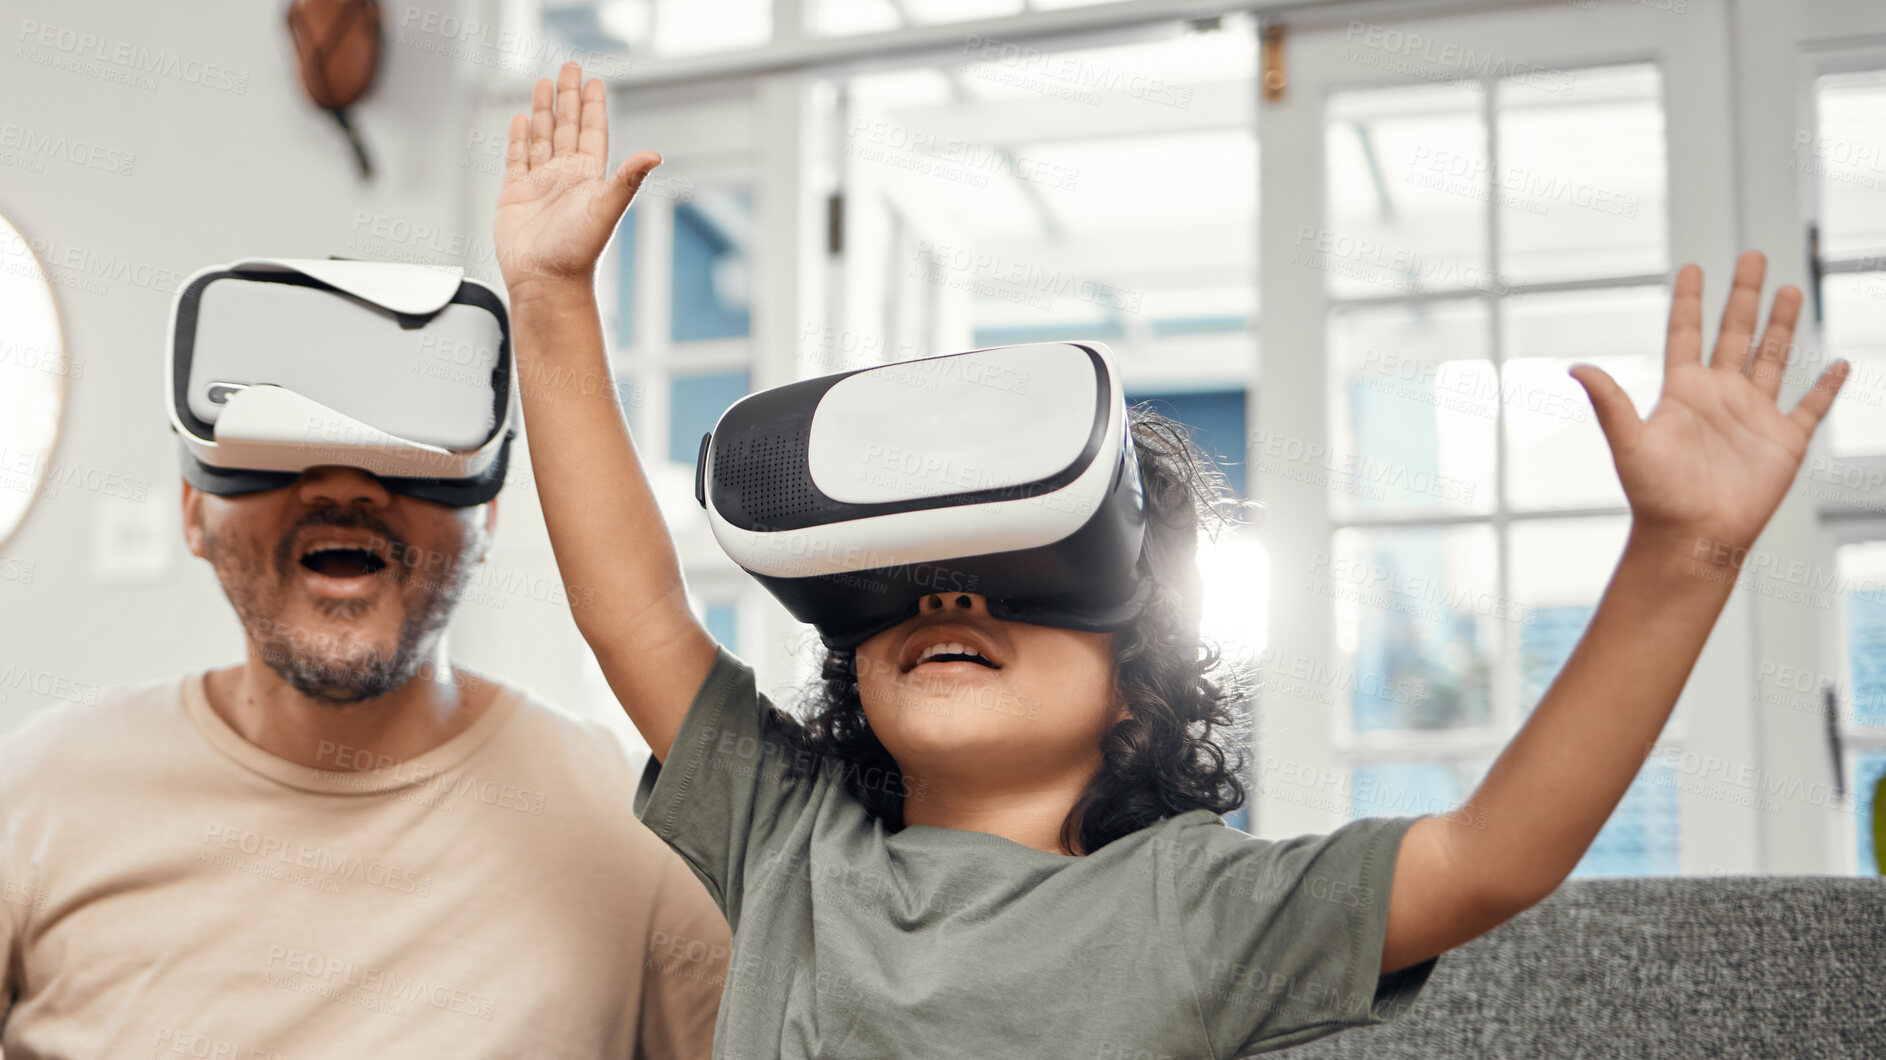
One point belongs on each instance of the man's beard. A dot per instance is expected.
(325, 667)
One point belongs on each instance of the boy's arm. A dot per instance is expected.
(557, 211)
(1703, 475)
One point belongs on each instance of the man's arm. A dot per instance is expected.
(689, 949)
(556, 213)
(1704, 473)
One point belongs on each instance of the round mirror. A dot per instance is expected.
(33, 372)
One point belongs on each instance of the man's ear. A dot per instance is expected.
(193, 520)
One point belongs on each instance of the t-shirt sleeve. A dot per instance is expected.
(1285, 938)
(730, 788)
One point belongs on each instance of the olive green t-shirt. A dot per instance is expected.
(1184, 939)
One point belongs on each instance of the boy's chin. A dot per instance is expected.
(947, 728)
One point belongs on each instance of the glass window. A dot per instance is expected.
(1560, 567)
(1407, 789)
(619, 29)
(695, 403)
(1456, 434)
(1557, 456)
(625, 280)
(1848, 156)
(1582, 175)
(1855, 305)
(723, 624)
(713, 285)
(1413, 404)
(1418, 624)
(1643, 836)
(1406, 213)
(1862, 578)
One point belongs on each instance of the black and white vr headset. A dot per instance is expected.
(1006, 472)
(278, 365)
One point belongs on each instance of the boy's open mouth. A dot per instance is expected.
(953, 652)
(950, 645)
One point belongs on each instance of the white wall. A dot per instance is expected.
(217, 173)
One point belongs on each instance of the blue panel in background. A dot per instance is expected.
(1867, 769)
(695, 403)
(1217, 421)
(1866, 652)
(723, 624)
(705, 308)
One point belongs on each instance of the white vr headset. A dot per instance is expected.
(278, 365)
(1007, 472)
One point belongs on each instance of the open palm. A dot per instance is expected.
(1717, 454)
(560, 204)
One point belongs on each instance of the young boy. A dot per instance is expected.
(906, 877)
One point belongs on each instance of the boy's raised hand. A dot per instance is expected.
(1717, 454)
(560, 204)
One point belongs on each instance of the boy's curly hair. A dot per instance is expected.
(1166, 757)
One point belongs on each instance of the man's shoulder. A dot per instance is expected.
(86, 728)
(558, 736)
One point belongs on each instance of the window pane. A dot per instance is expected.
(1557, 456)
(1406, 789)
(1560, 566)
(695, 403)
(1582, 177)
(1862, 581)
(617, 29)
(712, 271)
(1412, 409)
(1643, 836)
(1867, 769)
(1405, 211)
(1848, 156)
(723, 624)
(1418, 622)
(1856, 330)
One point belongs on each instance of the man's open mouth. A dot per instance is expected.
(336, 561)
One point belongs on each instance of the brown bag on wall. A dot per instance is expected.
(337, 45)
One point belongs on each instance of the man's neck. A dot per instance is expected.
(438, 703)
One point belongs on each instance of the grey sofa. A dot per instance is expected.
(1706, 967)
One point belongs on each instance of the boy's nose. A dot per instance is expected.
(974, 603)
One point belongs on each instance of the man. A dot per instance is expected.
(345, 845)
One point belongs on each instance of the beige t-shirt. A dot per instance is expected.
(168, 889)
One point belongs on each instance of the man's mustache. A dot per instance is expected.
(348, 518)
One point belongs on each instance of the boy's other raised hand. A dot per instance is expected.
(1715, 457)
(560, 204)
